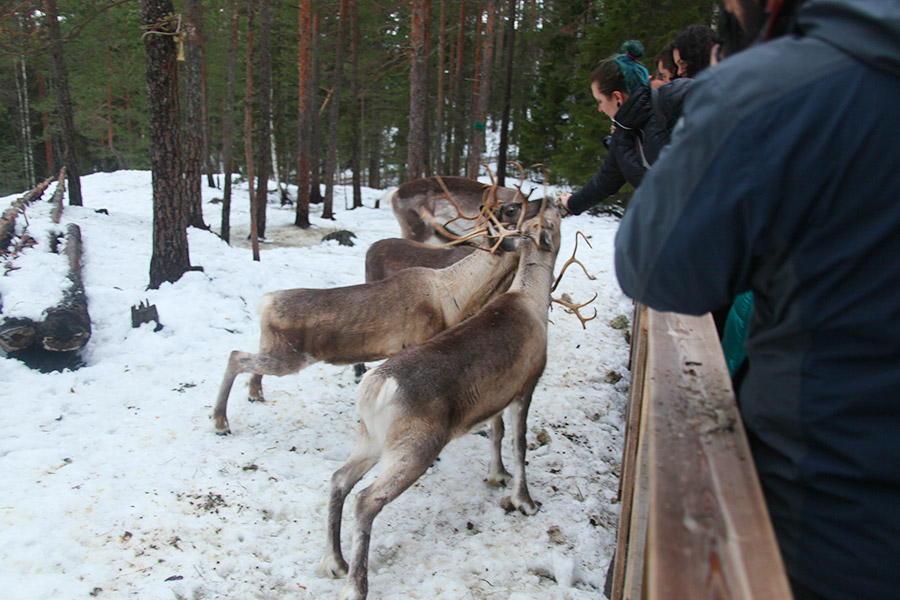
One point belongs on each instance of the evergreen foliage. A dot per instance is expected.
(554, 118)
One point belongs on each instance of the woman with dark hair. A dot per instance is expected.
(643, 119)
(694, 49)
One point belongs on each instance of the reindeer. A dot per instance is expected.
(439, 209)
(421, 398)
(365, 322)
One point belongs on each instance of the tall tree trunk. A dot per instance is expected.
(356, 104)
(120, 160)
(482, 83)
(207, 155)
(334, 113)
(306, 110)
(228, 123)
(418, 91)
(170, 259)
(315, 147)
(439, 111)
(375, 158)
(24, 118)
(507, 93)
(45, 124)
(193, 143)
(60, 74)
(248, 132)
(458, 104)
(264, 131)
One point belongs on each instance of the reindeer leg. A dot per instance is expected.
(402, 467)
(361, 461)
(518, 412)
(498, 475)
(258, 364)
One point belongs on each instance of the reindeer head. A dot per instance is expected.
(544, 228)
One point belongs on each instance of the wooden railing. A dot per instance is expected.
(693, 522)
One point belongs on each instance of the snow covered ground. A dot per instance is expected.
(113, 484)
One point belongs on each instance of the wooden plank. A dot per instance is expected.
(629, 469)
(709, 533)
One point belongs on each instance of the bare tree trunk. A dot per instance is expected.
(305, 112)
(507, 93)
(482, 83)
(60, 74)
(193, 143)
(334, 112)
(170, 259)
(228, 123)
(264, 131)
(374, 159)
(24, 118)
(45, 125)
(248, 131)
(315, 148)
(207, 157)
(356, 104)
(418, 91)
(458, 104)
(120, 160)
(439, 115)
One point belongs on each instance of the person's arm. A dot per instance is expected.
(605, 182)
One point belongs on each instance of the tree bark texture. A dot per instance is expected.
(482, 90)
(315, 148)
(248, 132)
(305, 112)
(193, 142)
(418, 93)
(228, 123)
(169, 260)
(334, 112)
(64, 101)
(507, 93)
(356, 105)
(264, 130)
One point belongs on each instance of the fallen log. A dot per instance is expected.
(66, 326)
(57, 199)
(8, 218)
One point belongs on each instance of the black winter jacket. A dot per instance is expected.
(783, 178)
(639, 129)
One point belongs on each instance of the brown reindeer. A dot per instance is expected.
(440, 209)
(365, 322)
(419, 399)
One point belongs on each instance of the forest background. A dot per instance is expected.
(392, 90)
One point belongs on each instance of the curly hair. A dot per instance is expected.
(694, 44)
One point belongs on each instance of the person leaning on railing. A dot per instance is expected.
(782, 179)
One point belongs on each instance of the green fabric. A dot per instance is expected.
(735, 331)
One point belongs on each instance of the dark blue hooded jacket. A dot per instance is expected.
(783, 178)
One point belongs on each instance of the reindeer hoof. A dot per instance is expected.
(526, 506)
(351, 593)
(332, 568)
(259, 398)
(222, 427)
(498, 479)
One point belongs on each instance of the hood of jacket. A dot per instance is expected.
(868, 30)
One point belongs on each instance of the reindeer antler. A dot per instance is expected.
(575, 308)
(573, 260)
